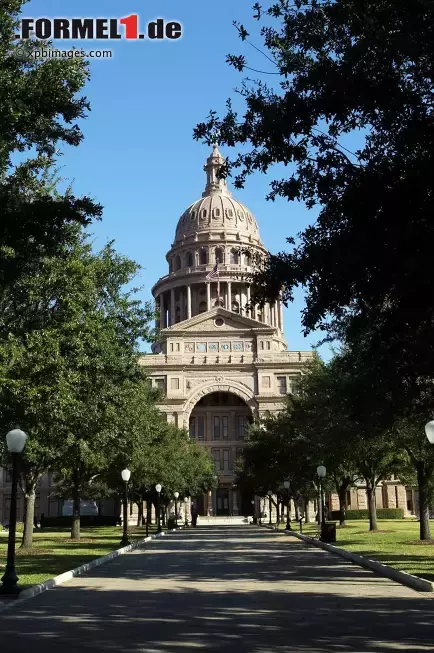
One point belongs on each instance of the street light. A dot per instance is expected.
(287, 485)
(126, 475)
(176, 495)
(321, 471)
(429, 430)
(15, 440)
(158, 489)
(270, 492)
(185, 512)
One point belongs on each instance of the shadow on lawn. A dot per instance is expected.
(224, 590)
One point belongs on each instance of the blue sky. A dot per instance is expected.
(138, 157)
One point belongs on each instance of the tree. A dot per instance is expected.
(65, 372)
(345, 67)
(40, 106)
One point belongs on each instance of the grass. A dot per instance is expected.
(396, 543)
(54, 552)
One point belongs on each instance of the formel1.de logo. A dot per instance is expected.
(73, 29)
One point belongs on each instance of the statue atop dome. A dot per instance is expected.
(214, 183)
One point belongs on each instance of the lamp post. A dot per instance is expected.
(287, 485)
(126, 475)
(15, 439)
(429, 430)
(176, 495)
(185, 512)
(270, 492)
(321, 471)
(158, 489)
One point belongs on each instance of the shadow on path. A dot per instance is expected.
(226, 589)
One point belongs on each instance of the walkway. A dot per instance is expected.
(223, 589)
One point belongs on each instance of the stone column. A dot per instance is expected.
(162, 311)
(248, 298)
(229, 296)
(172, 307)
(188, 302)
(235, 509)
(241, 301)
(208, 296)
(281, 315)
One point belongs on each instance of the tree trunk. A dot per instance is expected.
(372, 505)
(75, 528)
(306, 512)
(140, 513)
(29, 515)
(342, 504)
(424, 525)
(277, 513)
(149, 511)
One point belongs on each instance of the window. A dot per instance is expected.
(216, 457)
(226, 465)
(192, 427)
(8, 476)
(268, 345)
(293, 384)
(235, 307)
(204, 213)
(216, 213)
(266, 382)
(234, 257)
(219, 255)
(242, 422)
(189, 260)
(225, 427)
(177, 263)
(174, 384)
(201, 427)
(281, 385)
(159, 383)
(203, 257)
(216, 432)
(262, 344)
(171, 346)
(178, 346)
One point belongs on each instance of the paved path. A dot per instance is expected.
(223, 589)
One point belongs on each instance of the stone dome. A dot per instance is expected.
(216, 209)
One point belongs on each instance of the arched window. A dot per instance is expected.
(219, 255)
(203, 257)
(170, 266)
(189, 260)
(247, 259)
(202, 307)
(177, 263)
(235, 257)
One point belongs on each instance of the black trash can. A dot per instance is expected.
(171, 523)
(328, 532)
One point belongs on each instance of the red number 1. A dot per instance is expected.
(131, 26)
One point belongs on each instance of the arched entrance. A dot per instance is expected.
(219, 421)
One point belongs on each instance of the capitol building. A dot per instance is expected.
(219, 361)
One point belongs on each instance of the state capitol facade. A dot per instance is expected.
(219, 361)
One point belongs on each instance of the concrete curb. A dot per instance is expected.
(414, 582)
(30, 592)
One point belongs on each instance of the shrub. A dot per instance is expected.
(382, 513)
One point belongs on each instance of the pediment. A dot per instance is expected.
(205, 322)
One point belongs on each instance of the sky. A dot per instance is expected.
(138, 157)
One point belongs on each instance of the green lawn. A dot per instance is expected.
(396, 543)
(54, 552)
